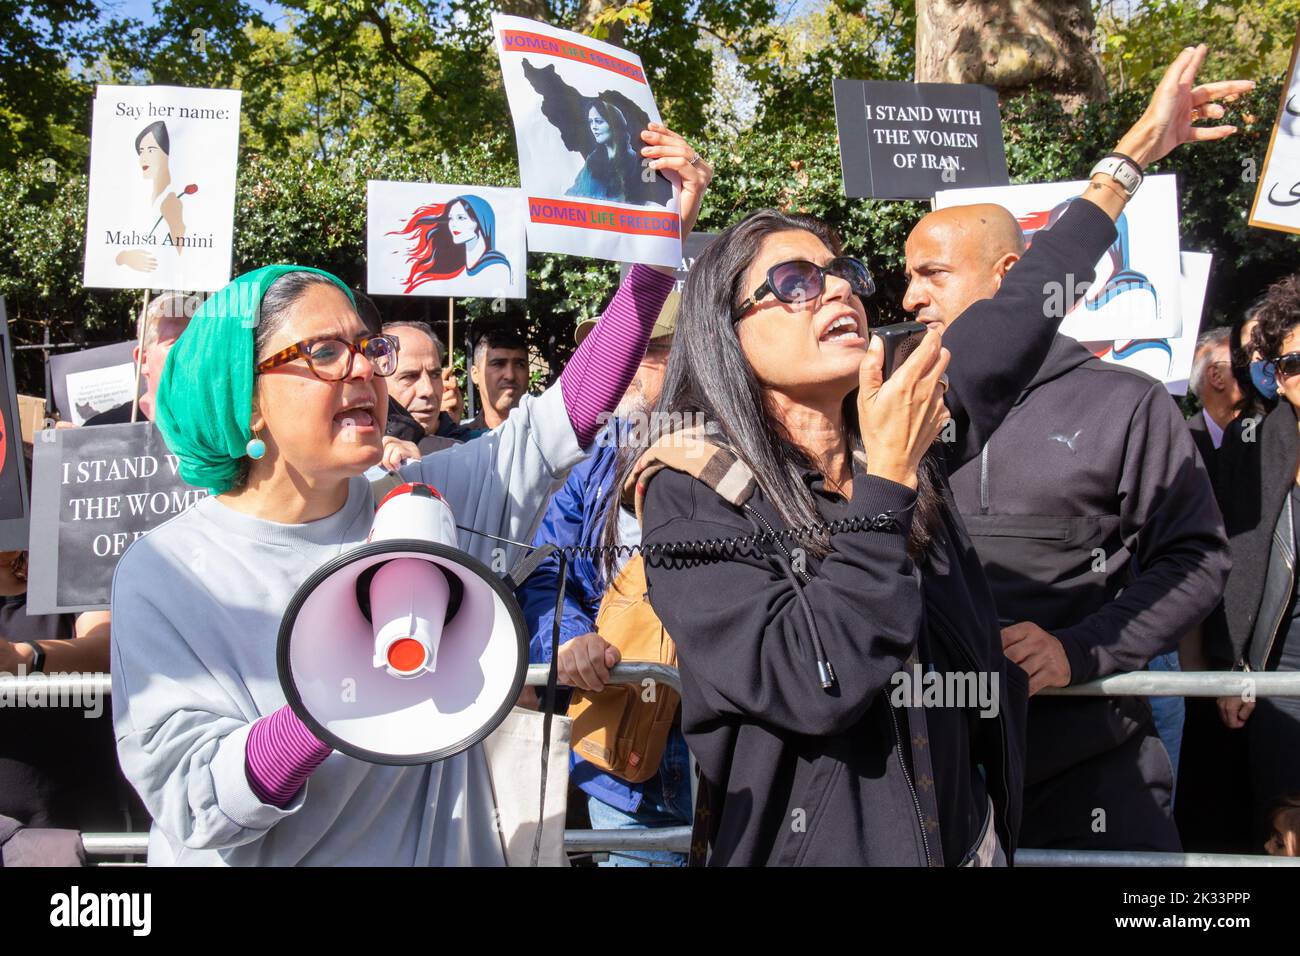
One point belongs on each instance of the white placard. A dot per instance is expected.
(97, 390)
(1277, 197)
(579, 106)
(1138, 289)
(439, 240)
(1169, 360)
(162, 188)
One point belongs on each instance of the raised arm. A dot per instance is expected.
(999, 343)
(601, 369)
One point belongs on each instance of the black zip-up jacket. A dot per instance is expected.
(1255, 474)
(810, 776)
(1095, 519)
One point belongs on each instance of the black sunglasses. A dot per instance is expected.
(799, 280)
(1287, 365)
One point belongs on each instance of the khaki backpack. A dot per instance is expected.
(624, 728)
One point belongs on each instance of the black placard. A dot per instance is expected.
(691, 250)
(95, 490)
(909, 140)
(13, 477)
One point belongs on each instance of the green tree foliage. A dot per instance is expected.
(327, 106)
(1247, 38)
(43, 106)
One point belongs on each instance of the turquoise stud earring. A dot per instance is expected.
(256, 448)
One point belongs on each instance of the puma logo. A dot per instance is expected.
(1068, 442)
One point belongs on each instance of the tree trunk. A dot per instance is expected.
(1011, 45)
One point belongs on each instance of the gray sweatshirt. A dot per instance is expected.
(196, 612)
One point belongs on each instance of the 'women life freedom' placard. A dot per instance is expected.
(162, 188)
(579, 106)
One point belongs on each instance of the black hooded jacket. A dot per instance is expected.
(808, 776)
(1095, 519)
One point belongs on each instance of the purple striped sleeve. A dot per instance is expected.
(602, 367)
(281, 754)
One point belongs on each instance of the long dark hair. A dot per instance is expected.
(620, 174)
(709, 379)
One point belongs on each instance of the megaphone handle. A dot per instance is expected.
(548, 704)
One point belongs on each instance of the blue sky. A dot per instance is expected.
(143, 9)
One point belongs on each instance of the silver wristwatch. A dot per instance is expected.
(1123, 170)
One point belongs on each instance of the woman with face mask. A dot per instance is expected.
(275, 400)
(1257, 627)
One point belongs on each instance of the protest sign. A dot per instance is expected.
(579, 107)
(95, 490)
(13, 476)
(438, 240)
(162, 188)
(909, 140)
(691, 250)
(1277, 197)
(1169, 360)
(92, 381)
(1137, 293)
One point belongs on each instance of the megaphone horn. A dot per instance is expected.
(405, 649)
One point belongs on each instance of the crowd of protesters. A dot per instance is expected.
(1003, 504)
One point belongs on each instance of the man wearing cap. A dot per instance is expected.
(576, 516)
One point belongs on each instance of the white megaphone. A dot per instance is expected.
(403, 650)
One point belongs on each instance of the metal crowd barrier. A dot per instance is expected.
(1137, 684)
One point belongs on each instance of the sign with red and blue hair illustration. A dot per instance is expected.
(440, 240)
(1137, 293)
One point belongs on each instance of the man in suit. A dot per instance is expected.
(1213, 383)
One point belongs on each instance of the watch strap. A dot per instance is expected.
(1126, 174)
(38, 658)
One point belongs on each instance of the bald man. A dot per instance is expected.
(957, 256)
(1095, 522)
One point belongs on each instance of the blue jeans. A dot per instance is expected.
(1168, 711)
(605, 817)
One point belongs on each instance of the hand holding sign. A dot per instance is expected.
(668, 150)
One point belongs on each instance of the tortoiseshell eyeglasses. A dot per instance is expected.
(330, 360)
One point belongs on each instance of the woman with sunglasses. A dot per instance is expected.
(831, 680)
(1258, 625)
(275, 400)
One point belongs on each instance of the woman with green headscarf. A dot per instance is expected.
(274, 399)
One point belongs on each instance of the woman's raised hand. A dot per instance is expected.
(1176, 105)
(666, 150)
(900, 419)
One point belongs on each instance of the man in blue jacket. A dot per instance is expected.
(576, 517)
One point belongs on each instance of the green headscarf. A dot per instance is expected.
(205, 395)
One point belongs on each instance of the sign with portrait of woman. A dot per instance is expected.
(579, 107)
(161, 212)
(1138, 289)
(439, 240)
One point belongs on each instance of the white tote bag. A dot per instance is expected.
(514, 756)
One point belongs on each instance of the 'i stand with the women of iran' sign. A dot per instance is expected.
(579, 107)
(161, 211)
(908, 140)
(95, 491)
